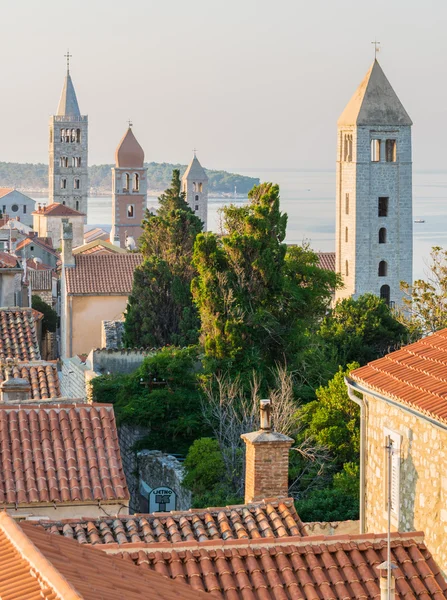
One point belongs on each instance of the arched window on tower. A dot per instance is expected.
(76, 184)
(375, 150)
(78, 136)
(77, 204)
(73, 135)
(390, 150)
(67, 136)
(383, 268)
(136, 183)
(385, 293)
(346, 268)
(62, 135)
(194, 186)
(126, 182)
(382, 235)
(200, 187)
(197, 198)
(63, 184)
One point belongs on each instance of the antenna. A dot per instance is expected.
(389, 449)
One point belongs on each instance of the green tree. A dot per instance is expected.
(362, 330)
(160, 310)
(49, 321)
(256, 300)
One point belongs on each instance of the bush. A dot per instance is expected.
(49, 322)
(330, 504)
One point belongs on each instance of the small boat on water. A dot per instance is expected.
(419, 220)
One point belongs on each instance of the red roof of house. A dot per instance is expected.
(35, 565)
(415, 375)
(97, 274)
(58, 210)
(18, 338)
(5, 191)
(8, 261)
(59, 454)
(45, 243)
(327, 260)
(42, 376)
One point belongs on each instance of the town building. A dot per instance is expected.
(41, 248)
(374, 224)
(68, 151)
(13, 291)
(403, 407)
(98, 246)
(47, 222)
(94, 287)
(16, 205)
(129, 192)
(96, 234)
(195, 187)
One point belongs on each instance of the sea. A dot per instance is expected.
(308, 198)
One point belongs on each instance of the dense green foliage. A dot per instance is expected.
(35, 177)
(327, 504)
(160, 310)
(49, 321)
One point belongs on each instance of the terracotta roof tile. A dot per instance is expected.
(41, 280)
(7, 261)
(415, 375)
(102, 273)
(60, 454)
(5, 191)
(37, 566)
(18, 338)
(327, 260)
(271, 518)
(57, 210)
(42, 376)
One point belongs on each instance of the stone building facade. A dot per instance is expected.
(195, 186)
(68, 152)
(48, 223)
(374, 221)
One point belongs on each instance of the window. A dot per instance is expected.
(392, 444)
(136, 183)
(131, 211)
(385, 293)
(24, 209)
(76, 184)
(347, 204)
(73, 135)
(197, 207)
(63, 184)
(62, 135)
(15, 208)
(347, 148)
(197, 198)
(346, 234)
(76, 161)
(383, 268)
(375, 150)
(77, 204)
(194, 186)
(200, 187)
(31, 248)
(382, 235)
(78, 136)
(67, 135)
(390, 150)
(126, 183)
(383, 207)
(63, 202)
(346, 269)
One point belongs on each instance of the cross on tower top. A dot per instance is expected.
(68, 56)
(194, 150)
(130, 123)
(376, 47)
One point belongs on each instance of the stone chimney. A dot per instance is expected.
(383, 570)
(67, 244)
(267, 460)
(15, 391)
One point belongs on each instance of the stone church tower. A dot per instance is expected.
(195, 186)
(374, 223)
(129, 191)
(67, 172)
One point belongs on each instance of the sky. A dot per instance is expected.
(249, 83)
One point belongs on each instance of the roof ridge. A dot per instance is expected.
(40, 564)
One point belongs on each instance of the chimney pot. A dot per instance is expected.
(15, 390)
(266, 420)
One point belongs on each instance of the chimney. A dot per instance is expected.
(15, 391)
(383, 570)
(266, 460)
(67, 244)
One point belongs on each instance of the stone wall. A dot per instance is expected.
(423, 475)
(112, 333)
(157, 469)
(128, 436)
(116, 361)
(74, 378)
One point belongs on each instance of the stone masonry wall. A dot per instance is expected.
(423, 475)
(128, 436)
(73, 378)
(116, 361)
(112, 334)
(157, 469)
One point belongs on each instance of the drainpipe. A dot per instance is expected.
(360, 402)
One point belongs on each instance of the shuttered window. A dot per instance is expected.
(393, 440)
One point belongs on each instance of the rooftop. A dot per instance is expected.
(326, 260)
(8, 261)
(40, 280)
(266, 519)
(43, 242)
(5, 191)
(38, 566)
(98, 245)
(415, 375)
(96, 274)
(129, 153)
(57, 210)
(60, 453)
(195, 170)
(68, 103)
(18, 337)
(94, 234)
(42, 376)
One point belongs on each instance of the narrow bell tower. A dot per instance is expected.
(129, 192)
(195, 186)
(68, 151)
(374, 222)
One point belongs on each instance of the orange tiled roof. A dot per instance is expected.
(327, 260)
(295, 568)
(37, 566)
(42, 377)
(7, 261)
(58, 210)
(5, 191)
(63, 453)
(43, 242)
(97, 274)
(415, 375)
(18, 338)
(269, 518)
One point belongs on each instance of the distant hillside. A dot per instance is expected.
(34, 178)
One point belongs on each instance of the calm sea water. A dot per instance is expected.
(308, 197)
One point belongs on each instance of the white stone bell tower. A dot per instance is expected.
(68, 151)
(374, 222)
(195, 186)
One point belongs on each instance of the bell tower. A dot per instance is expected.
(374, 222)
(195, 186)
(68, 151)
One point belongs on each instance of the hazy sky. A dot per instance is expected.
(250, 83)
